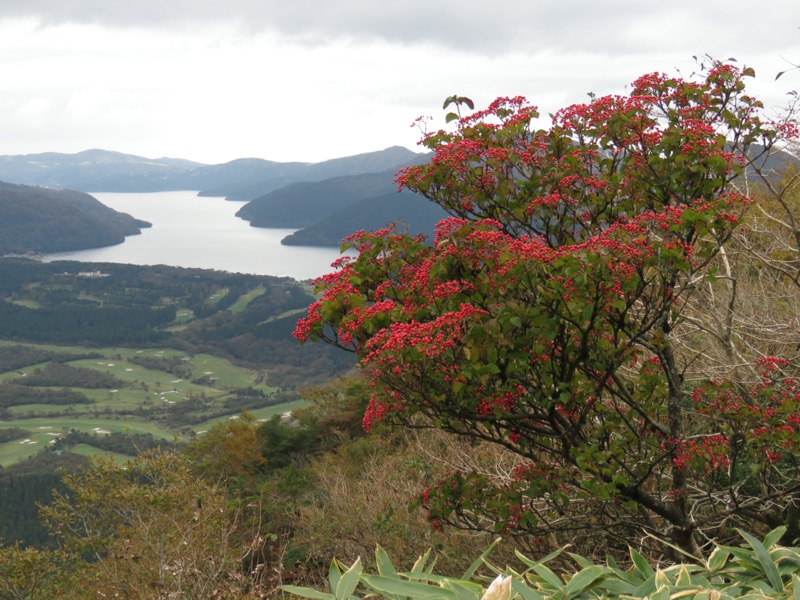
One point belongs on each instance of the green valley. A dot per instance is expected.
(159, 351)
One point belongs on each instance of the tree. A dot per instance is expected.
(149, 529)
(30, 573)
(549, 316)
(229, 451)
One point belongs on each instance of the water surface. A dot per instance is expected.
(193, 231)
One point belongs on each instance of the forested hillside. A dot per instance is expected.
(326, 212)
(406, 211)
(306, 203)
(121, 359)
(250, 318)
(35, 219)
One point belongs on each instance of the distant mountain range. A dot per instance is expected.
(325, 201)
(95, 171)
(242, 179)
(297, 195)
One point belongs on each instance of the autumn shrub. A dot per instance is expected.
(558, 314)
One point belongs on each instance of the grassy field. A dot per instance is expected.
(87, 450)
(262, 414)
(45, 430)
(246, 299)
(147, 400)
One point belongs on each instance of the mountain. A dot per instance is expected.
(241, 179)
(329, 210)
(408, 211)
(302, 204)
(246, 179)
(35, 219)
(96, 171)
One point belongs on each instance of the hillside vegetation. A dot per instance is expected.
(35, 219)
(406, 211)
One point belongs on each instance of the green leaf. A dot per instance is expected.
(523, 590)
(684, 578)
(464, 590)
(647, 587)
(661, 579)
(531, 564)
(767, 564)
(582, 561)
(384, 563)
(774, 536)
(468, 574)
(334, 574)
(548, 576)
(348, 582)
(641, 566)
(662, 593)
(307, 593)
(491, 369)
(717, 559)
(412, 589)
(583, 580)
(419, 567)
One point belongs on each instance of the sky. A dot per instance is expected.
(311, 80)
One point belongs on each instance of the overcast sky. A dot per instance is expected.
(214, 80)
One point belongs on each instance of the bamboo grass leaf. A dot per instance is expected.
(583, 580)
(384, 563)
(334, 575)
(411, 589)
(307, 593)
(348, 582)
(480, 560)
(767, 564)
(523, 590)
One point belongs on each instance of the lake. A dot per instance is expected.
(194, 231)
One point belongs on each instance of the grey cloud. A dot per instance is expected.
(619, 26)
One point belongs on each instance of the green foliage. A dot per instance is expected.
(337, 409)
(230, 450)
(18, 395)
(149, 529)
(59, 374)
(758, 570)
(13, 433)
(31, 574)
(137, 306)
(16, 356)
(409, 212)
(282, 444)
(36, 219)
(22, 487)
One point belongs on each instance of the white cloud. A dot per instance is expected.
(214, 80)
(33, 112)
